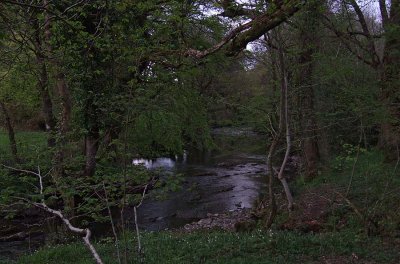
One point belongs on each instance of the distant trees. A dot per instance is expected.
(375, 40)
(332, 91)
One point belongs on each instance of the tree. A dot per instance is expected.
(25, 32)
(377, 46)
(308, 35)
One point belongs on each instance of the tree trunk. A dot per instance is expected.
(284, 124)
(10, 130)
(390, 81)
(271, 174)
(64, 121)
(47, 105)
(91, 148)
(43, 86)
(66, 103)
(308, 123)
(65, 98)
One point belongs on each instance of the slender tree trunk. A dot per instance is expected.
(43, 87)
(47, 104)
(285, 124)
(276, 135)
(91, 148)
(10, 130)
(66, 102)
(310, 143)
(271, 176)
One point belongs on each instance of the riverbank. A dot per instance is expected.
(348, 214)
(322, 229)
(258, 246)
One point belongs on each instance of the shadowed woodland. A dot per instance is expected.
(205, 131)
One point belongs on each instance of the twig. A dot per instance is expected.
(112, 224)
(136, 222)
(21, 170)
(352, 205)
(354, 165)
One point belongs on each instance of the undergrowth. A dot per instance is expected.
(223, 247)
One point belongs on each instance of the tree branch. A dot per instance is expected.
(237, 39)
(384, 12)
(136, 222)
(59, 214)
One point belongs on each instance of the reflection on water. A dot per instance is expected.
(215, 181)
(163, 162)
(167, 163)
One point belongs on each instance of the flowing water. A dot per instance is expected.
(225, 179)
(214, 182)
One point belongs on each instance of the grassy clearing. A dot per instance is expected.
(223, 247)
(29, 144)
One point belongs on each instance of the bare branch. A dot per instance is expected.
(74, 229)
(59, 214)
(384, 12)
(346, 39)
(361, 17)
(136, 222)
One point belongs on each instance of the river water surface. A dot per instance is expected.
(223, 180)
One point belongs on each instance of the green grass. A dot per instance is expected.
(224, 247)
(29, 144)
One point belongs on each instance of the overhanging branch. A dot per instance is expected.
(237, 39)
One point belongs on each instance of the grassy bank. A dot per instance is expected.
(29, 144)
(223, 247)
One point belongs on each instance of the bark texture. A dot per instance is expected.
(308, 121)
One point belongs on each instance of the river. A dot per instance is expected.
(225, 179)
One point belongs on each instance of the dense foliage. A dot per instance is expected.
(86, 86)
